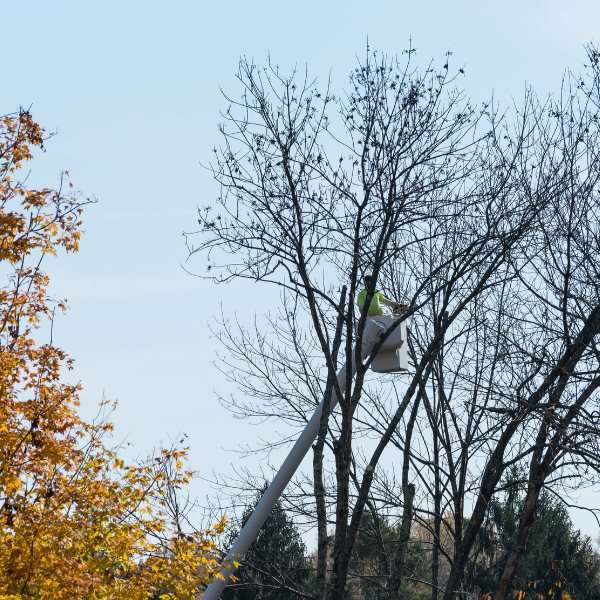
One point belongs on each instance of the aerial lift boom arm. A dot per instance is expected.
(373, 329)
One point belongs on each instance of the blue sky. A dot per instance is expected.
(132, 88)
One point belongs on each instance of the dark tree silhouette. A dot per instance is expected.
(487, 226)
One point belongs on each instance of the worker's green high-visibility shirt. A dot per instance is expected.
(375, 309)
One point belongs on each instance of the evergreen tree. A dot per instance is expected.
(276, 566)
(376, 548)
(552, 540)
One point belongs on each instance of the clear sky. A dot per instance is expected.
(132, 88)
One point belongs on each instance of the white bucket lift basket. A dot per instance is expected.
(392, 357)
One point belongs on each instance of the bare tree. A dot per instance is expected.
(533, 364)
(461, 215)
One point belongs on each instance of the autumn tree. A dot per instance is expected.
(486, 225)
(75, 520)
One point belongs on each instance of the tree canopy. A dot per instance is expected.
(76, 521)
(485, 222)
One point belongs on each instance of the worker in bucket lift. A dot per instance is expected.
(378, 299)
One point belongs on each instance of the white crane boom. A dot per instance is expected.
(373, 329)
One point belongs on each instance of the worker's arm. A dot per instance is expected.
(387, 302)
(397, 307)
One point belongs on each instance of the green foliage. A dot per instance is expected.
(552, 540)
(276, 563)
(374, 553)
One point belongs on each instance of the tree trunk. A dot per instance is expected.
(518, 550)
(408, 490)
(437, 522)
(319, 488)
(396, 580)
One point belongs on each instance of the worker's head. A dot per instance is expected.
(369, 281)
